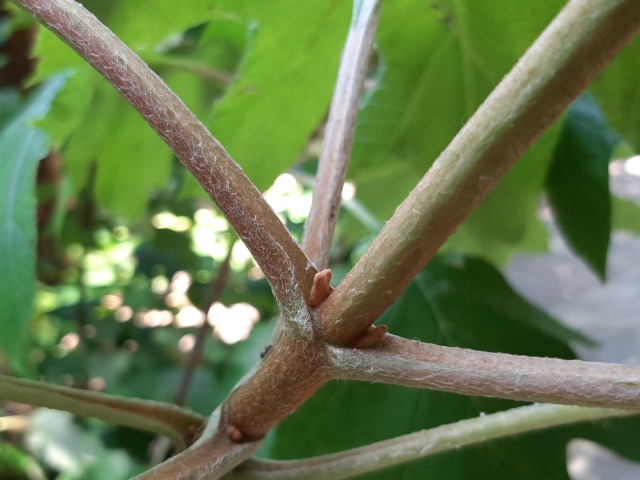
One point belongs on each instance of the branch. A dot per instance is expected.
(415, 364)
(562, 62)
(213, 455)
(160, 447)
(338, 139)
(193, 67)
(214, 292)
(418, 445)
(180, 425)
(284, 264)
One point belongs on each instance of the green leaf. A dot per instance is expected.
(454, 301)
(22, 146)
(132, 161)
(76, 451)
(283, 87)
(69, 107)
(625, 215)
(434, 72)
(616, 91)
(16, 464)
(141, 24)
(578, 182)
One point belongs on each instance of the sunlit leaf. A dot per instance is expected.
(434, 72)
(74, 450)
(131, 159)
(283, 87)
(616, 91)
(625, 215)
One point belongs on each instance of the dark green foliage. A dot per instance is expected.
(578, 182)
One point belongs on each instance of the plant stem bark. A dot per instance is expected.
(210, 457)
(415, 364)
(284, 264)
(567, 56)
(422, 444)
(338, 139)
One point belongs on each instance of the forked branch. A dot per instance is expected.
(567, 56)
(213, 455)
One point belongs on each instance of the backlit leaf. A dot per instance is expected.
(616, 91)
(434, 72)
(283, 87)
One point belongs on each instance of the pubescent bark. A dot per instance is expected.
(567, 56)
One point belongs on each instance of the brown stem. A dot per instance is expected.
(421, 365)
(338, 138)
(289, 374)
(210, 457)
(284, 264)
(195, 355)
(160, 448)
(562, 62)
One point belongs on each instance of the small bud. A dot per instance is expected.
(234, 434)
(371, 337)
(321, 288)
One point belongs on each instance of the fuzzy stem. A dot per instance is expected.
(422, 365)
(422, 444)
(179, 424)
(284, 264)
(210, 457)
(338, 139)
(567, 56)
(288, 375)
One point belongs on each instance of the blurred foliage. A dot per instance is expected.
(111, 247)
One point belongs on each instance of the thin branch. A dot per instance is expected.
(193, 67)
(339, 132)
(568, 55)
(284, 264)
(415, 364)
(418, 445)
(180, 425)
(160, 447)
(214, 293)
